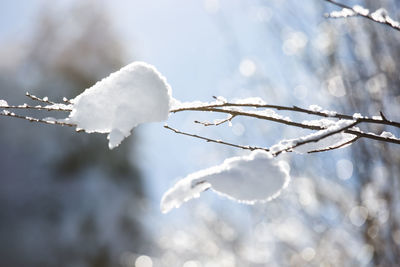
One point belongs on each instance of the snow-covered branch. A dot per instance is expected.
(380, 16)
(325, 127)
(138, 93)
(97, 113)
(228, 179)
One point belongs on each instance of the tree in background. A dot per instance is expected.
(318, 221)
(63, 204)
(365, 72)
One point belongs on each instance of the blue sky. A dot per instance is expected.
(199, 50)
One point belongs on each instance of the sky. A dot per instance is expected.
(204, 48)
(232, 48)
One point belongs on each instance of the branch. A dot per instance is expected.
(236, 112)
(225, 108)
(53, 107)
(373, 136)
(43, 100)
(7, 113)
(216, 122)
(335, 147)
(379, 16)
(251, 148)
(313, 138)
(232, 109)
(325, 128)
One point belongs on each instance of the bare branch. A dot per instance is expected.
(326, 114)
(43, 100)
(216, 141)
(30, 119)
(47, 108)
(217, 122)
(234, 112)
(232, 109)
(373, 136)
(235, 109)
(335, 147)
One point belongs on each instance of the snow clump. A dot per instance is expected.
(135, 94)
(3, 103)
(250, 179)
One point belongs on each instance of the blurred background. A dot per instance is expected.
(66, 200)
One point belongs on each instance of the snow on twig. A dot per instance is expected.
(52, 107)
(379, 16)
(313, 110)
(216, 122)
(43, 100)
(336, 146)
(254, 108)
(328, 130)
(321, 140)
(50, 121)
(250, 179)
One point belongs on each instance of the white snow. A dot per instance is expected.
(176, 104)
(250, 101)
(325, 123)
(315, 108)
(380, 15)
(135, 94)
(59, 106)
(332, 141)
(361, 10)
(392, 22)
(388, 135)
(3, 103)
(325, 139)
(268, 113)
(250, 179)
(345, 12)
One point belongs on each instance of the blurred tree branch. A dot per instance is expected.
(379, 16)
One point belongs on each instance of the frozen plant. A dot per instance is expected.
(138, 93)
(379, 16)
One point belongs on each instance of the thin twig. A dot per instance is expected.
(367, 16)
(216, 141)
(216, 123)
(373, 136)
(66, 100)
(316, 139)
(30, 119)
(224, 108)
(43, 100)
(335, 147)
(325, 114)
(25, 106)
(255, 115)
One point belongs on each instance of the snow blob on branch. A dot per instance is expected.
(135, 94)
(379, 16)
(250, 179)
(138, 93)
